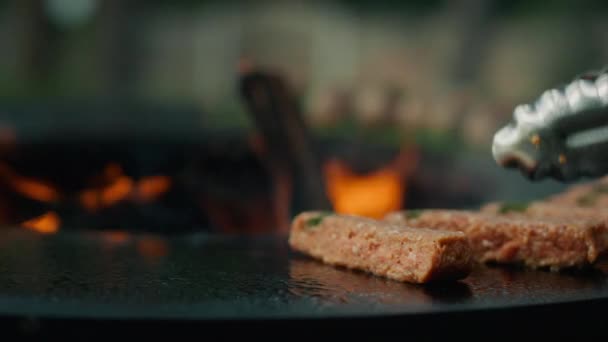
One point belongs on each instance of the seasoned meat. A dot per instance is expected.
(382, 248)
(518, 238)
(589, 195)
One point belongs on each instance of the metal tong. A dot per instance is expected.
(562, 135)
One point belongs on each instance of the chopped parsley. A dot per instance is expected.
(513, 207)
(413, 214)
(315, 221)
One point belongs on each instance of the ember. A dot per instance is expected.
(117, 187)
(47, 223)
(28, 187)
(116, 191)
(150, 188)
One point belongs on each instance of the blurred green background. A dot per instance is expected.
(436, 68)
(446, 74)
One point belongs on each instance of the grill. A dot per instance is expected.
(151, 159)
(71, 282)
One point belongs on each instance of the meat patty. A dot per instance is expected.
(385, 249)
(518, 238)
(589, 195)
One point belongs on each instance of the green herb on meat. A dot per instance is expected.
(513, 207)
(413, 214)
(315, 221)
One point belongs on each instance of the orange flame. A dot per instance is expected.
(35, 189)
(372, 195)
(117, 191)
(47, 223)
(29, 187)
(118, 187)
(150, 188)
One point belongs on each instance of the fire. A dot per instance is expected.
(117, 187)
(116, 191)
(150, 188)
(35, 189)
(29, 187)
(47, 223)
(372, 195)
